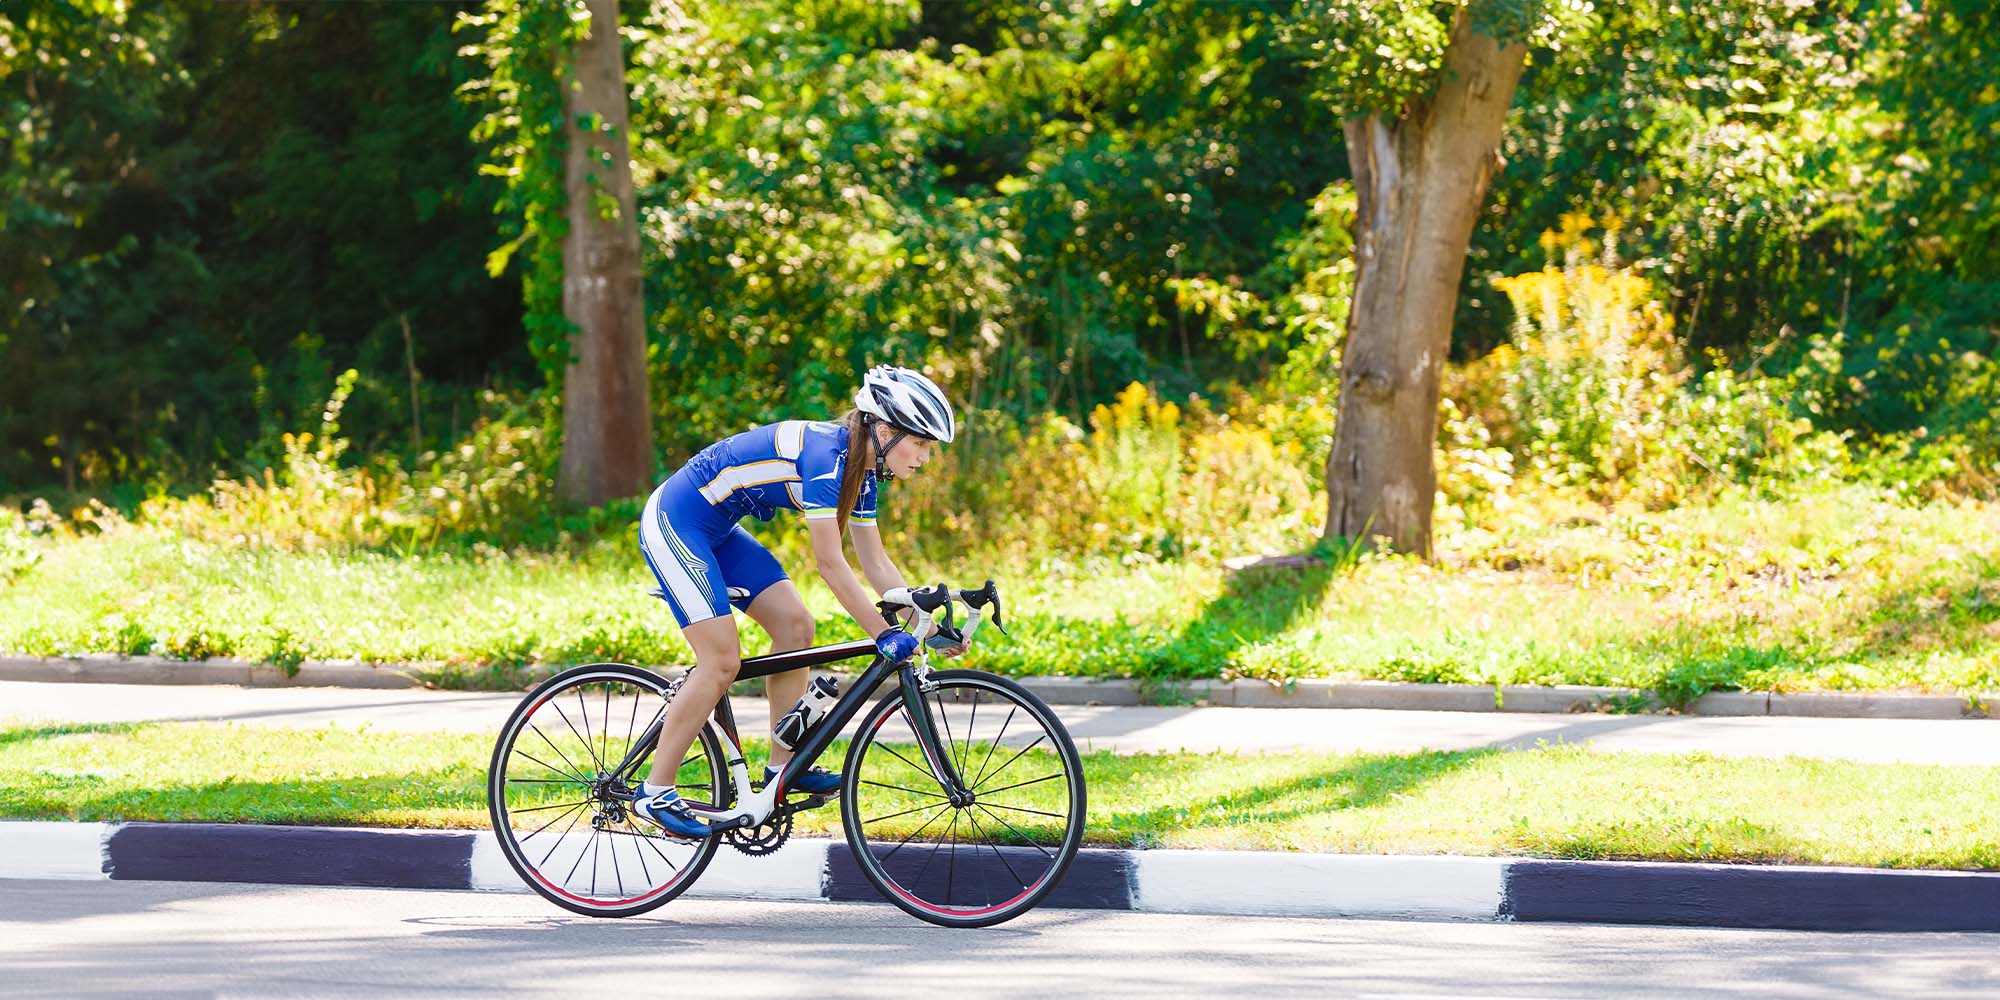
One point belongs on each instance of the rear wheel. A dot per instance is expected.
(992, 856)
(558, 801)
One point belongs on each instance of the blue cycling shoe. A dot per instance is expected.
(816, 781)
(671, 814)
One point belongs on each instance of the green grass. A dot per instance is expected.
(1842, 589)
(1556, 801)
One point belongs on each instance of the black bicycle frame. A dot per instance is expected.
(823, 732)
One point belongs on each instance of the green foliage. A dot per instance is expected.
(497, 484)
(1796, 174)
(525, 49)
(18, 551)
(207, 210)
(999, 193)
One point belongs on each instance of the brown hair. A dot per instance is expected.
(860, 458)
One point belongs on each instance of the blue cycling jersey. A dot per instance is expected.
(796, 465)
(704, 561)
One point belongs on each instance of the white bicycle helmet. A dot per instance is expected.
(906, 400)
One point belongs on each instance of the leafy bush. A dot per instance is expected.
(493, 486)
(1146, 481)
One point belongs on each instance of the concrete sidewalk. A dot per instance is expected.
(1128, 729)
(109, 668)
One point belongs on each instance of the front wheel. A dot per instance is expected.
(995, 854)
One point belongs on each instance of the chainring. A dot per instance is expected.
(758, 841)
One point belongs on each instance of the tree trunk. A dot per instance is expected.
(607, 419)
(1419, 182)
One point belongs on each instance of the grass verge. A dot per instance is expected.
(1555, 801)
(1845, 589)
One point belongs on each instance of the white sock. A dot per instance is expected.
(648, 789)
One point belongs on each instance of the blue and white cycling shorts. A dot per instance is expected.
(704, 564)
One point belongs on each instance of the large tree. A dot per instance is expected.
(1426, 89)
(607, 430)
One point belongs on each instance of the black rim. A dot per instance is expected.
(560, 811)
(987, 854)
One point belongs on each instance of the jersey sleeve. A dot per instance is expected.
(864, 505)
(819, 480)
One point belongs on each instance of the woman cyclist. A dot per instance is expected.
(705, 562)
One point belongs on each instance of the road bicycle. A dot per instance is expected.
(962, 795)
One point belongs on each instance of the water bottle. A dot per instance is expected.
(793, 725)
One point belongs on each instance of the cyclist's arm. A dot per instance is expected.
(875, 564)
(881, 571)
(839, 576)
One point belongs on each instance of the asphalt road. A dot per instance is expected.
(164, 939)
(1123, 730)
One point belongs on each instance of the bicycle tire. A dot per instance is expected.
(1003, 841)
(519, 779)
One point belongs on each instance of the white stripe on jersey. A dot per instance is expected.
(736, 477)
(688, 584)
(791, 439)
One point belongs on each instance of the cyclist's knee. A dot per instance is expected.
(721, 668)
(795, 631)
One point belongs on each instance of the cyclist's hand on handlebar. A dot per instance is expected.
(947, 642)
(896, 645)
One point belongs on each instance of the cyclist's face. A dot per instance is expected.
(909, 455)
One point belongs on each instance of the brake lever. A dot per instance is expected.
(988, 594)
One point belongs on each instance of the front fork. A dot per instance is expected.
(936, 747)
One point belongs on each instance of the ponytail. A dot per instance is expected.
(860, 457)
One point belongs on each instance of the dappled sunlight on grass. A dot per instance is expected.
(1843, 589)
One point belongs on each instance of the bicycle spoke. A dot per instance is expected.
(995, 848)
(604, 739)
(594, 842)
(1038, 812)
(617, 870)
(1030, 841)
(913, 836)
(544, 781)
(559, 752)
(932, 856)
(651, 841)
(579, 864)
(583, 737)
(630, 732)
(626, 774)
(552, 822)
(560, 805)
(637, 852)
(990, 747)
(912, 791)
(1021, 784)
(951, 860)
(970, 724)
(906, 812)
(927, 772)
(1011, 760)
(559, 839)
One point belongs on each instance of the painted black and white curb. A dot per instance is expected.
(1217, 882)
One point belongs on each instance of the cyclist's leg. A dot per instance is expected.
(783, 613)
(772, 601)
(717, 657)
(684, 562)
